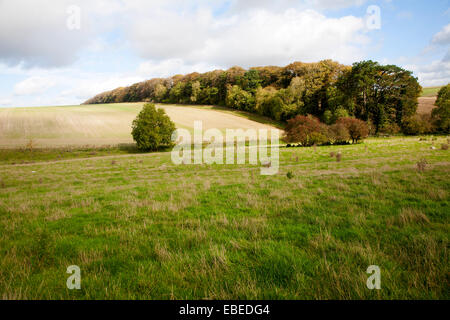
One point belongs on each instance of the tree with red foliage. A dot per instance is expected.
(357, 129)
(307, 130)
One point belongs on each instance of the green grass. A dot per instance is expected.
(140, 227)
(28, 156)
(430, 91)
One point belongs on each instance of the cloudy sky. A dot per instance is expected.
(63, 52)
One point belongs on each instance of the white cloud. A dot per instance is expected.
(174, 29)
(281, 5)
(443, 36)
(33, 85)
(336, 4)
(35, 33)
(170, 67)
(255, 38)
(87, 86)
(63, 86)
(435, 74)
(171, 36)
(5, 102)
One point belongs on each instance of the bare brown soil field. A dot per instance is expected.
(100, 125)
(426, 105)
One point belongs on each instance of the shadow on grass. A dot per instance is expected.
(27, 156)
(133, 149)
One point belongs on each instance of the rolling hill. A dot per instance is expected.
(105, 124)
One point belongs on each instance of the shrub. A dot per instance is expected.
(417, 124)
(338, 134)
(422, 165)
(30, 145)
(427, 123)
(307, 130)
(412, 125)
(152, 128)
(357, 129)
(444, 146)
(390, 128)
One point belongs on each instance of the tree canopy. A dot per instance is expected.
(382, 95)
(152, 129)
(442, 113)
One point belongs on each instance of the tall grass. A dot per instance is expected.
(140, 227)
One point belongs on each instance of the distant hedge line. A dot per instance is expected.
(386, 97)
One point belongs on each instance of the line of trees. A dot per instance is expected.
(385, 97)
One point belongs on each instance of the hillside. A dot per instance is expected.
(327, 90)
(99, 125)
(430, 91)
(426, 105)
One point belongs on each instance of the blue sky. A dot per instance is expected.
(117, 42)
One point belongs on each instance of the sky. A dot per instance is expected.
(64, 52)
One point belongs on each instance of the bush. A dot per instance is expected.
(422, 165)
(338, 134)
(412, 125)
(417, 124)
(307, 130)
(357, 129)
(390, 128)
(152, 129)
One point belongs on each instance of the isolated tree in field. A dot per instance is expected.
(152, 129)
(357, 129)
(441, 114)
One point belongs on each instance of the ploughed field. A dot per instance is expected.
(140, 227)
(103, 125)
(426, 105)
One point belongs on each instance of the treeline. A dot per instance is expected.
(386, 97)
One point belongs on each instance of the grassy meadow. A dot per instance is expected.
(140, 227)
(430, 91)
